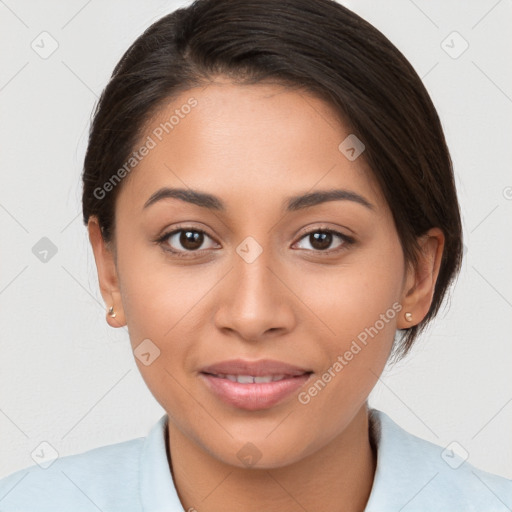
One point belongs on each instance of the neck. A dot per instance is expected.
(337, 477)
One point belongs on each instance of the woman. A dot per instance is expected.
(271, 205)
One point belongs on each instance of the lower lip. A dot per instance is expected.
(256, 396)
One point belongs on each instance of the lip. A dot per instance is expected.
(253, 396)
(256, 368)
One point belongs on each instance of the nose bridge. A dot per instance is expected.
(255, 283)
(256, 300)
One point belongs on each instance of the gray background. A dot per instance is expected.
(68, 379)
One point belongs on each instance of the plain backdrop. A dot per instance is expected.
(69, 379)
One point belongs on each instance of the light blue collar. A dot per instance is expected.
(412, 475)
(157, 490)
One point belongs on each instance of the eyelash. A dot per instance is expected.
(162, 241)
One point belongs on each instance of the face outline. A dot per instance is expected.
(253, 147)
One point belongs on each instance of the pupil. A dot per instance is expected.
(322, 240)
(191, 239)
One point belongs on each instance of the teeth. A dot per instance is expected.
(245, 379)
(263, 379)
(249, 379)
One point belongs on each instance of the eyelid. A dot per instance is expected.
(326, 229)
(184, 227)
(347, 239)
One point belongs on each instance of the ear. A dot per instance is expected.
(420, 280)
(107, 273)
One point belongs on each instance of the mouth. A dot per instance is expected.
(251, 379)
(253, 385)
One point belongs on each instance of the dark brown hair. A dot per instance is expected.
(316, 45)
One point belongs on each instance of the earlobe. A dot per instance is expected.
(107, 274)
(421, 279)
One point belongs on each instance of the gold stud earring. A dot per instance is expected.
(408, 317)
(111, 312)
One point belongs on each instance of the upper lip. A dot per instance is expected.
(254, 368)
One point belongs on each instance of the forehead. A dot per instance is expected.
(247, 143)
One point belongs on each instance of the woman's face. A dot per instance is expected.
(251, 276)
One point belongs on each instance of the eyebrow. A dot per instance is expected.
(291, 204)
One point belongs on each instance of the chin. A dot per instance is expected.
(262, 454)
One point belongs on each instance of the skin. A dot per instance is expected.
(253, 146)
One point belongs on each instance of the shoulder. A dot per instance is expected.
(424, 476)
(104, 478)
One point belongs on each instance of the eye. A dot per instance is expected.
(321, 239)
(191, 240)
(183, 240)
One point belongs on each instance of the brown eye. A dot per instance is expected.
(321, 240)
(191, 240)
(185, 240)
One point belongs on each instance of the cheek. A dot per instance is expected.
(359, 304)
(352, 297)
(155, 293)
(165, 303)
(159, 307)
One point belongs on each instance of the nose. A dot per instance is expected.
(256, 301)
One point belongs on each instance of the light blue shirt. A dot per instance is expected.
(412, 475)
